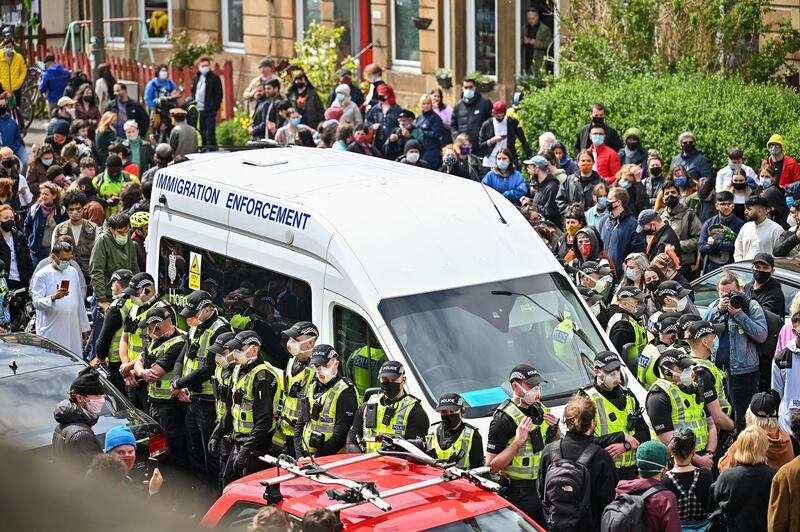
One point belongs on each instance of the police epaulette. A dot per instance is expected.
(348, 382)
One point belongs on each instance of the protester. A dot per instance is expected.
(692, 159)
(580, 186)
(718, 234)
(618, 229)
(597, 115)
(785, 375)
(382, 117)
(41, 221)
(112, 251)
(764, 287)
(691, 485)
(73, 438)
(544, 186)
(660, 235)
(600, 200)
(470, 112)
(759, 234)
(506, 180)
(444, 111)
(14, 250)
(303, 96)
(655, 176)
(499, 132)
(53, 81)
(787, 171)
(142, 153)
(295, 131)
(124, 108)
(606, 160)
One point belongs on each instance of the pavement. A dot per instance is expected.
(36, 133)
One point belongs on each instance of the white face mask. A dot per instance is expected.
(241, 357)
(222, 361)
(596, 309)
(602, 284)
(95, 406)
(532, 395)
(687, 376)
(610, 380)
(681, 304)
(325, 374)
(412, 156)
(295, 348)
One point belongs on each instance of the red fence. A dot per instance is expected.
(142, 73)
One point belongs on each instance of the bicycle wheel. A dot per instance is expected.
(32, 105)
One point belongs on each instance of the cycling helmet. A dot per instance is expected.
(140, 219)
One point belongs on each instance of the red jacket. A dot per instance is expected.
(791, 170)
(662, 507)
(606, 162)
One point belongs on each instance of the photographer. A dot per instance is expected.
(737, 354)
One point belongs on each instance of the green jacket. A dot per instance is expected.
(108, 257)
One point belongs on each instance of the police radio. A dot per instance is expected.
(371, 416)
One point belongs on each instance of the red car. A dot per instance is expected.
(406, 495)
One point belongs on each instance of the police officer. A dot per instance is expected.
(665, 333)
(676, 401)
(363, 367)
(595, 303)
(193, 374)
(673, 296)
(625, 329)
(143, 296)
(681, 334)
(701, 336)
(598, 277)
(220, 443)
(453, 440)
(620, 426)
(328, 408)
(156, 368)
(392, 412)
(107, 345)
(253, 407)
(519, 430)
(297, 380)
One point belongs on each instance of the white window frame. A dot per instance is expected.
(111, 42)
(401, 65)
(471, 59)
(300, 17)
(227, 44)
(158, 42)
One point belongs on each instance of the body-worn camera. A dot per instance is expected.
(736, 299)
(317, 440)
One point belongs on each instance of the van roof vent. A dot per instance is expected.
(264, 164)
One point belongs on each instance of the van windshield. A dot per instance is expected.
(467, 339)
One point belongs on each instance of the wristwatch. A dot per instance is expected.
(627, 445)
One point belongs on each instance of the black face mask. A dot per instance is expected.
(7, 225)
(451, 422)
(651, 286)
(687, 147)
(649, 231)
(598, 120)
(656, 171)
(739, 186)
(3, 110)
(8, 163)
(761, 277)
(671, 201)
(88, 98)
(391, 389)
(634, 145)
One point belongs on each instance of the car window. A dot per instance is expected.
(789, 292)
(705, 292)
(240, 516)
(503, 519)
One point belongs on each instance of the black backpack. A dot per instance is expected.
(628, 512)
(567, 487)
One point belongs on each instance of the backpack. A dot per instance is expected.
(567, 487)
(627, 512)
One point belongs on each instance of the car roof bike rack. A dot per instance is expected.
(358, 493)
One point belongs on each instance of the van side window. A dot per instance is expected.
(250, 297)
(360, 348)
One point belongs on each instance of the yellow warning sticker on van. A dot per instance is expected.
(195, 260)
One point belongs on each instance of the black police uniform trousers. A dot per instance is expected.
(523, 495)
(138, 396)
(116, 377)
(170, 416)
(201, 418)
(252, 464)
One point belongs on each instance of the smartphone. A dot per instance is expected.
(65, 284)
(149, 465)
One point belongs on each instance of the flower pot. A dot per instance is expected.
(446, 82)
(421, 23)
(486, 86)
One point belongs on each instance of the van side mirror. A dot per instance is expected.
(370, 392)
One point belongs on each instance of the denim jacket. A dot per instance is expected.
(746, 329)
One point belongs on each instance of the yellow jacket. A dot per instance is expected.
(12, 76)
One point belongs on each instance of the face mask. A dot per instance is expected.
(88, 98)
(681, 181)
(634, 145)
(502, 164)
(469, 94)
(63, 265)
(360, 139)
(739, 186)
(532, 395)
(465, 150)
(9, 163)
(601, 284)
(75, 215)
(95, 406)
(121, 240)
(391, 389)
(609, 380)
(775, 149)
(451, 160)
(761, 277)
(204, 69)
(47, 162)
(789, 200)
(765, 182)
(299, 83)
(222, 361)
(572, 230)
(687, 376)
(371, 79)
(597, 140)
(602, 202)
(625, 184)
(598, 120)
(638, 309)
(241, 357)
(585, 249)
(630, 273)
(296, 121)
(163, 75)
(649, 231)
(651, 286)
(671, 201)
(7, 225)
(412, 157)
(339, 97)
(595, 309)
(136, 300)
(451, 421)
(9, 53)
(682, 303)
(655, 171)
(585, 167)
(687, 147)
(734, 166)
(325, 374)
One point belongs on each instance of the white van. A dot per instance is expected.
(436, 271)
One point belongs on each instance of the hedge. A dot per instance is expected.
(722, 112)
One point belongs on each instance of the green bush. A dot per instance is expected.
(722, 112)
(233, 132)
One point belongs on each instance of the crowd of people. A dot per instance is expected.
(632, 228)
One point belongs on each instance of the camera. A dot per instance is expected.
(317, 440)
(736, 299)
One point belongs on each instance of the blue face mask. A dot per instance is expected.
(597, 140)
(602, 202)
(63, 265)
(296, 121)
(765, 182)
(630, 273)
(680, 181)
(339, 97)
(469, 94)
(502, 164)
(789, 201)
(204, 70)
(715, 347)
(625, 184)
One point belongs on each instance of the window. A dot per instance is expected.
(405, 36)
(232, 30)
(482, 36)
(250, 297)
(115, 31)
(307, 12)
(240, 515)
(354, 335)
(157, 17)
(504, 519)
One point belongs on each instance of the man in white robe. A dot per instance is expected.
(60, 311)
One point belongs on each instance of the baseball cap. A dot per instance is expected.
(219, 344)
(591, 266)
(266, 62)
(672, 288)
(302, 328)
(139, 281)
(322, 353)
(590, 296)
(538, 161)
(243, 339)
(697, 329)
(607, 361)
(65, 100)
(764, 258)
(197, 301)
(764, 404)
(631, 291)
(122, 275)
(155, 315)
(392, 369)
(527, 373)
(499, 107)
(449, 401)
(645, 217)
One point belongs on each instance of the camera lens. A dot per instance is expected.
(736, 300)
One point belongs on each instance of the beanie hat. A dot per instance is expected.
(87, 383)
(651, 458)
(343, 89)
(632, 132)
(119, 435)
(776, 139)
(413, 144)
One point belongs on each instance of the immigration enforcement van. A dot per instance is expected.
(390, 261)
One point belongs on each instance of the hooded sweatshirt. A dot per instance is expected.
(73, 437)
(662, 507)
(597, 254)
(780, 451)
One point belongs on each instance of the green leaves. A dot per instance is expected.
(186, 53)
(318, 53)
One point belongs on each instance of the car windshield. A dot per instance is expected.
(467, 339)
(503, 519)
